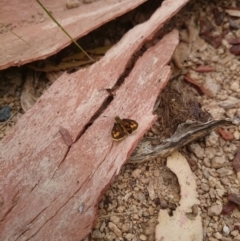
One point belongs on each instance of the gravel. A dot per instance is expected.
(213, 155)
(129, 210)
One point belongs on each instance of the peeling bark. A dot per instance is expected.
(44, 182)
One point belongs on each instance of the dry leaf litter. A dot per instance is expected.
(130, 208)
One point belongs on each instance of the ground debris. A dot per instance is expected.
(186, 133)
(185, 222)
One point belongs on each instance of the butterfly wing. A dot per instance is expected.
(130, 125)
(117, 132)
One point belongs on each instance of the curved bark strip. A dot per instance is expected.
(185, 223)
(39, 37)
(50, 190)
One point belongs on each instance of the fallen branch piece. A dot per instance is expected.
(185, 133)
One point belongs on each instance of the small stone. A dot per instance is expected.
(125, 227)
(129, 236)
(224, 180)
(151, 210)
(141, 197)
(204, 187)
(150, 229)
(226, 239)
(234, 233)
(115, 219)
(236, 214)
(224, 172)
(212, 193)
(122, 185)
(197, 150)
(96, 234)
(226, 229)
(212, 86)
(145, 214)
(216, 111)
(220, 192)
(102, 227)
(206, 162)
(231, 113)
(113, 227)
(163, 204)
(236, 135)
(136, 173)
(121, 209)
(218, 235)
(234, 86)
(156, 173)
(72, 4)
(151, 191)
(205, 173)
(135, 216)
(110, 236)
(215, 210)
(210, 152)
(127, 196)
(230, 103)
(212, 140)
(217, 162)
(142, 237)
(5, 113)
(237, 238)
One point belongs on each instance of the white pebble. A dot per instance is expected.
(236, 135)
(226, 229)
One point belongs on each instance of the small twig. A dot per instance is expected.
(60, 26)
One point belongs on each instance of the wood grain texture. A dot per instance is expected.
(39, 37)
(44, 182)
